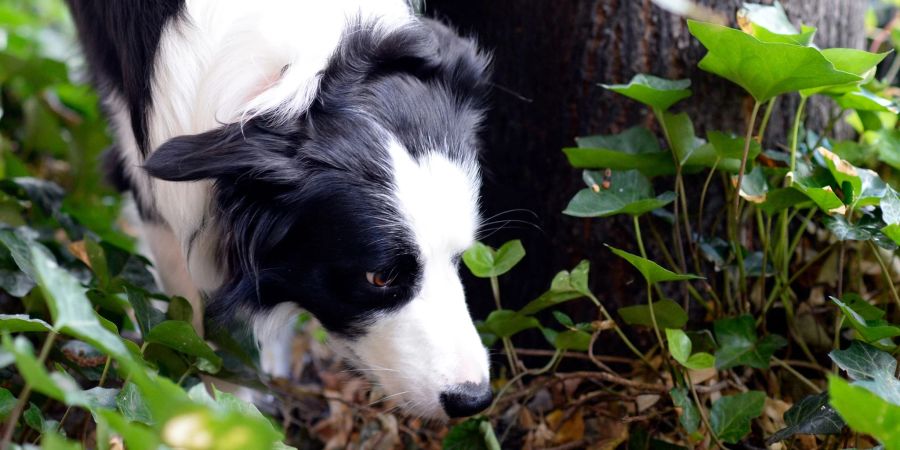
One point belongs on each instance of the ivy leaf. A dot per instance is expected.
(146, 314)
(7, 403)
(634, 149)
(822, 194)
(505, 323)
(473, 434)
(181, 337)
(764, 69)
(680, 347)
(730, 149)
(866, 412)
(657, 93)
(629, 193)
(812, 415)
(771, 24)
(870, 368)
(180, 309)
(652, 272)
(21, 323)
(848, 60)
(669, 314)
(689, 415)
(132, 406)
(864, 100)
(740, 346)
(730, 416)
(565, 286)
(877, 332)
(485, 262)
(778, 200)
(568, 340)
(754, 186)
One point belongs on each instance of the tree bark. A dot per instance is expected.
(554, 53)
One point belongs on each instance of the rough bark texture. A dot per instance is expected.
(555, 53)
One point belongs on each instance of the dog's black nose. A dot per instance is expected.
(466, 399)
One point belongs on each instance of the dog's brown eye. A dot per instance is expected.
(379, 279)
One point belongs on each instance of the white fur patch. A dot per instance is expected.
(274, 332)
(430, 344)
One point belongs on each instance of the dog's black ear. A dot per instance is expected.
(427, 49)
(236, 152)
(461, 65)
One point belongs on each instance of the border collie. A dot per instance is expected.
(315, 154)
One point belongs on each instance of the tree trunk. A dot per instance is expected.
(554, 54)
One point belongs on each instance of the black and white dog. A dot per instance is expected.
(316, 154)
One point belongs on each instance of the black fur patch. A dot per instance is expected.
(120, 39)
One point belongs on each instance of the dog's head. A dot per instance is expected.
(359, 209)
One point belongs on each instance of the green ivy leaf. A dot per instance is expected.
(505, 323)
(754, 186)
(180, 309)
(485, 262)
(669, 314)
(629, 193)
(822, 194)
(568, 340)
(778, 200)
(864, 100)
(771, 24)
(634, 149)
(181, 337)
(729, 150)
(7, 403)
(866, 412)
(690, 415)
(681, 348)
(657, 93)
(812, 415)
(565, 286)
(730, 416)
(53, 441)
(740, 346)
(870, 368)
(877, 332)
(21, 323)
(131, 404)
(848, 60)
(473, 434)
(764, 69)
(146, 314)
(652, 272)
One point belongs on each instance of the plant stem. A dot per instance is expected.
(618, 330)
(508, 348)
(765, 120)
(747, 138)
(105, 372)
(795, 134)
(679, 195)
(886, 271)
(495, 289)
(797, 374)
(702, 410)
(23, 396)
(515, 379)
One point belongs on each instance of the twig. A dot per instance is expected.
(603, 376)
(799, 375)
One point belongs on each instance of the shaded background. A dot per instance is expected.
(554, 54)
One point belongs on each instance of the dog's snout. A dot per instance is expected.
(466, 399)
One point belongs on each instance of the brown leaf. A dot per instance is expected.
(80, 251)
(569, 429)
